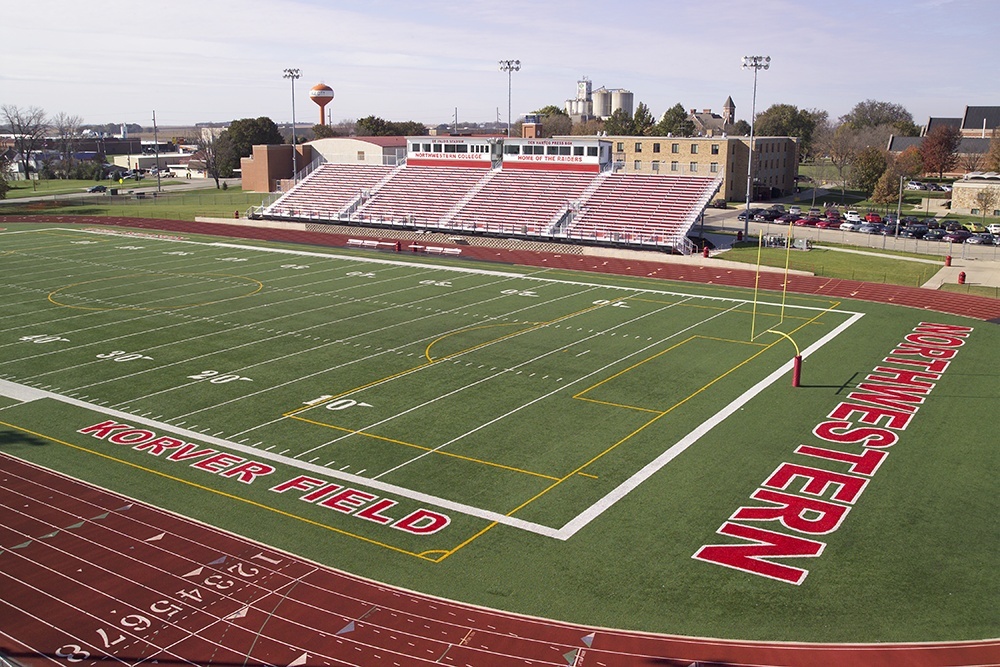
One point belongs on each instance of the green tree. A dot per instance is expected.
(373, 126)
(868, 167)
(741, 128)
(675, 122)
(321, 131)
(619, 124)
(939, 149)
(642, 121)
(786, 120)
(239, 139)
(872, 113)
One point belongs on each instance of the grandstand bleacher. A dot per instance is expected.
(599, 208)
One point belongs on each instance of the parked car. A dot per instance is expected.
(795, 210)
(873, 217)
(780, 208)
(957, 236)
(97, 188)
(944, 186)
(993, 229)
(848, 226)
(980, 239)
(871, 228)
(852, 216)
(767, 216)
(827, 223)
(934, 235)
(806, 222)
(788, 218)
(973, 227)
(753, 212)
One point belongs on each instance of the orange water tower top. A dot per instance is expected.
(321, 94)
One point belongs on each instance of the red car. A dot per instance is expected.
(807, 222)
(873, 217)
(828, 222)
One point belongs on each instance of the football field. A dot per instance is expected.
(448, 426)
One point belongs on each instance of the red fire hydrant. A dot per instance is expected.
(704, 251)
(947, 260)
(961, 277)
(236, 215)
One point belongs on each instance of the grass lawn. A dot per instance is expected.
(46, 188)
(834, 264)
(168, 205)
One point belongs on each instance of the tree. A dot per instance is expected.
(841, 146)
(554, 120)
(373, 126)
(321, 131)
(28, 127)
(249, 132)
(987, 199)
(212, 149)
(4, 167)
(675, 122)
(589, 128)
(741, 128)
(972, 161)
(872, 113)
(868, 167)
(992, 161)
(67, 129)
(786, 120)
(886, 190)
(939, 149)
(642, 120)
(909, 163)
(619, 124)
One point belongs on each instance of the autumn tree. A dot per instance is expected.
(28, 127)
(939, 149)
(675, 122)
(971, 161)
(886, 190)
(992, 161)
(588, 128)
(909, 163)
(215, 150)
(869, 165)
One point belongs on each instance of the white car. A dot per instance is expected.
(852, 216)
(993, 229)
(849, 226)
(795, 210)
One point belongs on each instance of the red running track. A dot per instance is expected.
(966, 305)
(90, 577)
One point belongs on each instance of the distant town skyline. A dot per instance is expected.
(422, 60)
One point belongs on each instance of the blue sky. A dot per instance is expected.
(218, 60)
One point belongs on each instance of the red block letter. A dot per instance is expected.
(767, 544)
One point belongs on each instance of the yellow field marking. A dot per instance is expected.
(229, 496)
(583, 474)
(579, 469)
(467, 541)
(427, 352)
(421, 447)
(705, 306)
(52, 295)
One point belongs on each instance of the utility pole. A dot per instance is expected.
(156, 147)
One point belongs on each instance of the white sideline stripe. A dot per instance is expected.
(674, 451)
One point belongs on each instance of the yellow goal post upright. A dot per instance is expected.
(797, 360)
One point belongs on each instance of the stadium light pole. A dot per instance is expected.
(509, 66)
(293, 74)
(756, 63)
